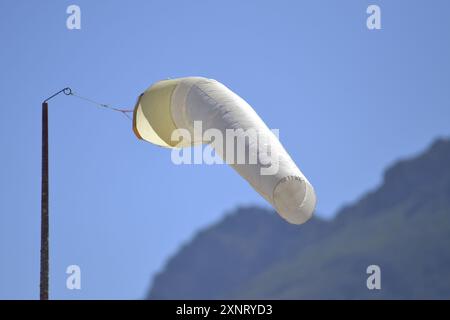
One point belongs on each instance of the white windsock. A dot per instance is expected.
(184, 103)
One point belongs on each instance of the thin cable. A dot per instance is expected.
(125, 112)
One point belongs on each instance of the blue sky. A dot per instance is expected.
(348, 102)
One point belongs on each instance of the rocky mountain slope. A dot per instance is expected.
(403, 226)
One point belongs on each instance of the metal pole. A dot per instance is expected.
(44, 276)
(44, 207)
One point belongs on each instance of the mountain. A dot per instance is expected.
(403, 227)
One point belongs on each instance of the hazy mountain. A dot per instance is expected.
(403, 226)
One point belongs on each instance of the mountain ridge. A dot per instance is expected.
(402, 226)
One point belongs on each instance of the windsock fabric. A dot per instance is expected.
(179, 103)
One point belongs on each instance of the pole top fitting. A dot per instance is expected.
(67, 91)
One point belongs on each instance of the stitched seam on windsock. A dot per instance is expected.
(180, 99)
(285, 179)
